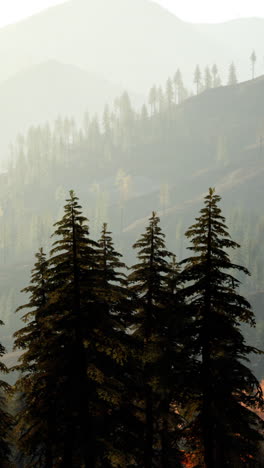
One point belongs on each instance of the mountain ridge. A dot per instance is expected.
(162, 44)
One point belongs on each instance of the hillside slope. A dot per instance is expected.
(139, 163)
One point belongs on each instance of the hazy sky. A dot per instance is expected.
(190, 10)
(214, 10)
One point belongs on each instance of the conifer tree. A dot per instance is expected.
(169, 92)
(114, 348)
(153, 99)
(178, 86)
(207, 78)
(197, 78)
(175, 369)
(253, 59)
(151, 326)
(215, 75)
(34, 426)
(71, 268)
(106, 122)
(6, 420)
(61, 354)
(232, 76)
(230, 430)
(161, 99)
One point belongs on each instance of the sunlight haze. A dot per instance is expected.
(189, 10)
(15, 10)
(208, 11)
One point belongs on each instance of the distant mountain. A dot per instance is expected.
(44, 91)
(132, 42)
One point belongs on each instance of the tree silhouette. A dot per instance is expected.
(6, 420)
(197, 78)
(207, 78)
(230, 430)
(153, 99)
(216, 77)
(253, 59)
(178, 86)
(232, 76)
(169, 92)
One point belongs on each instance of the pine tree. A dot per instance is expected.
(253, 59)
(232, 76)
(6, 420)
(71, 268)
(169, 92)
(153, 100)
(178, 86)
(230, 430)
(161, 99)
(34, 425)
(207, 78)
(106, 122)
(59, 365)
(197, 78)
(215, 75)
(175, 369)
(114, 348)
(151, 328)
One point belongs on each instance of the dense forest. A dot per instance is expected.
(144, 366)
(116, 163)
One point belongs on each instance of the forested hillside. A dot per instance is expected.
(127, 163)
(44, 91)
(75, 68)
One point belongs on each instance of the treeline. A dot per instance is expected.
(44, 147)
(145, 369)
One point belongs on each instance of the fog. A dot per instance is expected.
(138, 110)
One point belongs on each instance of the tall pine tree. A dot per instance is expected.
(230, 431)
(54, 337)
(153, 330)
(113, 356)
(34, 424)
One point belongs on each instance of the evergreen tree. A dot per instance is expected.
(197, 78)
(215, 76)
(230, 430)
(232, 76)
(71, 268)
(161, 99)
(151, 330)
(253, 59)
(6, 420)
(34, 425)
(169, 92)
(114, 348)
(106, 122)
(59, 364)
(178, 86)
(207, 78)
(153, 99)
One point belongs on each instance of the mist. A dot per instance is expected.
(131, 207)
